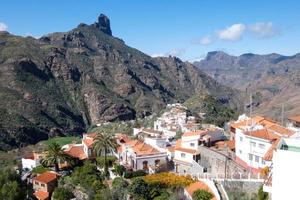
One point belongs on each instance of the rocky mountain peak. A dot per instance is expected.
(216, 54)
(103, 24)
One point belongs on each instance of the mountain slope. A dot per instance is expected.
(64, 82)
(273, 79)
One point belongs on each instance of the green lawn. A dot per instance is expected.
(63, 140)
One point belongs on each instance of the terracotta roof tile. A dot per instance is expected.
(46, 177)
(76, 152)
(191, 151)
(281, 130)
(263, 134)
(41, 195)
(295, 118)
(269, 155)
(88, 142)
(194, 133)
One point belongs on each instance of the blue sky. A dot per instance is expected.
(184, 28)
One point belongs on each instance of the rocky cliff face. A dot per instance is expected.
(273, 79)
(64, 82)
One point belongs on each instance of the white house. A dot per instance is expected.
(255, 140)
(138, 155)
(31, 161)
(187, 153)
(284, 174)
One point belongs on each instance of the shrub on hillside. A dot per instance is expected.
(168, 179)
(133, 174)
(110, 161)
(202, 195)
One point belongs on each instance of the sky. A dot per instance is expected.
(187, 29)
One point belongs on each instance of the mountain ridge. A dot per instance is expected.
(63, 82)
(273, 79)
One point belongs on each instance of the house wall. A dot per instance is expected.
(188, 157)
(190, 142)
(29, 163)
(286, 165)
(245, 145)
(49, 187)
(151, 160)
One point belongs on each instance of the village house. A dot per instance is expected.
(255, 139)
(187, 152)
(284, 169)
(44, 184)
(137, 155)
(32, 160)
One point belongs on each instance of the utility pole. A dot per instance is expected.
(282, 114)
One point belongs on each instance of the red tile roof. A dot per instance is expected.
(194, 133)
(295, 118)
(41, 195)
(269, 155)
(191, 151)
(263, 134)
(46, 177)
(76, 152)
(88, 142)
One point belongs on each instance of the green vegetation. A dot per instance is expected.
(39, 169)
(133, 174)
(119, 169)
(104, 143)
(114, 127)
(216, 110)
(202, 195)
(63, 140)
(11, 187)
(143, 190)
(261, 194)
(109, 159)
(61, 193)
(89, 178)
(54, 155)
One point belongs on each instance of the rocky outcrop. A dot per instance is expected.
(103, 24)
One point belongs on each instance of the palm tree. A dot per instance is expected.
(54, 155)
(104, 143)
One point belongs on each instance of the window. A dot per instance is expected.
(36, 183)
(250, 156)
(157, 162)
(145, 165)
(263, 161)
(182, 155)
(241, 139)
(253, 144)
(192, 144)
(240, 151)
(256, 159)
(43, 185)
(262, 146)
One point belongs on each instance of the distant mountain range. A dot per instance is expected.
(273, 79)
(64, 82)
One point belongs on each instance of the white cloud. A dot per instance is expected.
(263, 29)
(3, 27)
(206, 40)
(232, 33)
